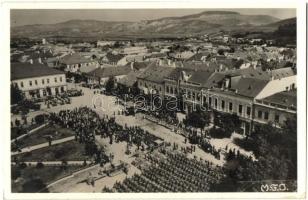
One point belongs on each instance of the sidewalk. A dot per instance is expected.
(46, 144)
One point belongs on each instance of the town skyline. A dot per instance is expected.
(21, 17)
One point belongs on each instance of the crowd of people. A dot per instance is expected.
(87, 123)
(173, 172)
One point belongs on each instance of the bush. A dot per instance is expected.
(30, 105)
(39, 119)
(248, 144)
(17, 122)
(22, 165)
(219, 133)
(39, 165)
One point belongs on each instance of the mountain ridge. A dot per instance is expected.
(200, 23)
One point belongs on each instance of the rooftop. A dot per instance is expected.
(130, 79)
(28, 70)
(75, 58)
(249, 87)
(114, 57)
(156, 73)
(286, 98)
(110, 71)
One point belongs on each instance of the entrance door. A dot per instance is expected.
(57, 91)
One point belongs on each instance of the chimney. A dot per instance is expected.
(31, 61)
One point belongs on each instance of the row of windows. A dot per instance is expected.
(42, 80)
(146, 85)
(265, 115)
(230, 106)
(223, 105)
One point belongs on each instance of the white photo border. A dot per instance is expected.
(55, 4)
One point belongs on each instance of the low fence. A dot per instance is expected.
(68, 176)
(30, 132)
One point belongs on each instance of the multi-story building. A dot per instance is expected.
(242, 92)
(102, 75)
(73, 62)
(37, 80)
(236, 92)
(151, 80)
(276, 108)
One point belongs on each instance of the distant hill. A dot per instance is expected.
(201, 23)
(283, 22)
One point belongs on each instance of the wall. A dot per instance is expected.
(272, 111)
(40, 85)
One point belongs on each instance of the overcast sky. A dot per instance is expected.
(40, 16)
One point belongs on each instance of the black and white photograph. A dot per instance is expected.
(153, 100)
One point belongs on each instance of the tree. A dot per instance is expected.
(198, 119)
(40, 119)
(39, 165)
(228, 122)
(265, 65)
(110, 84)
(16, 94)
(220, 51)
(275, 150)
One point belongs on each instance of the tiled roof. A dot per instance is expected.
(87, 69)
(200, 77)
(114, 58)
(110, 71)
(156, 55)
(282, 72)
(155, 73)
(138, 65)
(73, 59)
(198, 56)
(286, 98)
(249, 73)
(214, 80)
(130, 79)
(249, 87)
(28, 70)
